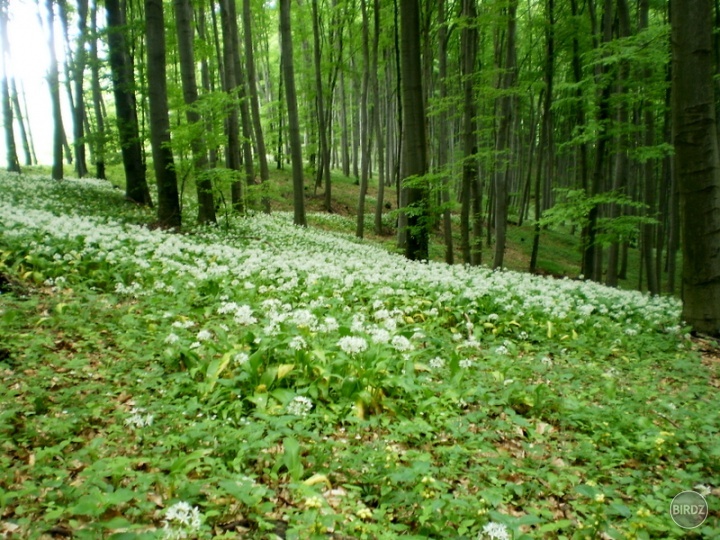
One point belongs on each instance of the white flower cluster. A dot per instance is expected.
(138, 418)
(352, 345)
(300, 406)
(494, 531)
(181, 521)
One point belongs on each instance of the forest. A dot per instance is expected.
(261, 289)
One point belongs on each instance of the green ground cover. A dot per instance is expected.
(259, 380)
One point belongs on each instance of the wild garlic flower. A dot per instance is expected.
(352, 344)
(297, 343)
(139, 420)
(181, 521)
(244, 316)
(494, 531)
(437, 363)
(300, 406)
(401, 344)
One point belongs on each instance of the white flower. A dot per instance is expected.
(465, 363)
(300, 406)
(244, 316)
(702, 489)
(227, 307)
(172, 338)
(241, 358)
(502, 349)
(401, 344)
(330, 324)
(379, 335)
(352, 344)
(204, 335)
(437, 363)
(495, 531)
(138, 419)
(181, 521)
(547, 361)
(297, 343)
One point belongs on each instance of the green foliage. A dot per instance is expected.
(575, 207)
(261, 379)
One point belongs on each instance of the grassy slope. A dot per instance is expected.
(558, 428)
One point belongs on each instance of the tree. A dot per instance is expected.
(136, 188)
(503, 140)
(697, 163)
(99, 136)
(183, 22)
(168, 200)
(414, 151)
(79, 70)
(288, 66)
(13, 164)
(255, 101)
(54, 83)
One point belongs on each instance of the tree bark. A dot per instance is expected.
(286, 49)
(255, 102)
(79, 78)
(136, 188)
(54, 83)
(99, 136)
(13, 165)
(414, 151)
(468, 45)
(168, 199)
(503, 141)
(697, 163)
(185, 36)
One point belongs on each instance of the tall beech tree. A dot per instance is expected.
(13, 164)
(185, 35)
(169, 215)
(54, 84)
(288, 67)
(414, 150)
(697, 163)
(136, 188)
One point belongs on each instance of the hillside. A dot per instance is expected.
(263, 380)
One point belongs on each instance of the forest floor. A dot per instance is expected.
(257, 380)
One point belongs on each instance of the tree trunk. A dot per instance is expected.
(286, 49)
(185, 37)
(23, 124)
(99, 136)
(468, 44)
(79, 77)
(233, 160)
(54, 83)
(444, 131)
(503, 142)
(697, 163)
(379, 136)
(13, 165)
(136, 188)
(255, 103)
(323, 174)
(168, 200)
(414, 152)
(365, 123)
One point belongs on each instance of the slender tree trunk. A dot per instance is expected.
(414, 152)
(185, 37)
(99, 136)
(255, 103)
(13, 165)
(286, 49)
(468, 44)
(168, 199)
(648, 231)
(503, 142)
(345, 134)
(54, 83)
(233, 159)
(697, 163)
(136, 188)
(379, 135)
(365, 122)
(22, 124)
(79, 78)
(323, 174)
(444, 131)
